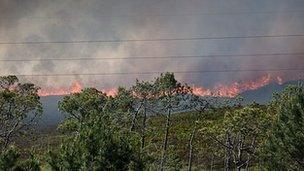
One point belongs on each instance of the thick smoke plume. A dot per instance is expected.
(72, 20)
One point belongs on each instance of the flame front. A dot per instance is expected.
(279, 80)
(236, 88)
(220, 90)
(76, 87)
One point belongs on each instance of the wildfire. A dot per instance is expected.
(110, 92)
(221, 90)
(279, 80)
(74, 88)
(236, 88)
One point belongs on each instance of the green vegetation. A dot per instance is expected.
(284, 149)
(19, 106)
(153, 125)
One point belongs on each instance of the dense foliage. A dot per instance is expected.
(20, 107)
(155, 125)
(284, 149)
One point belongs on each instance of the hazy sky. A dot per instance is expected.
(73, 20)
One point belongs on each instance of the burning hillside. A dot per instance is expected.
(220, 90)
(236, 88)
(74, 88)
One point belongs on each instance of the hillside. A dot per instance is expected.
(51, 115)
(262, 95)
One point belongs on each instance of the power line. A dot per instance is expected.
(151, 40)
(158, 72)
(165, 15)
(152, 57)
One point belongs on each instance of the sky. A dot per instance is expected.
(89, 20)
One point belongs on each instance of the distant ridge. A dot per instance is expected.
(264, 94)
(52, 116)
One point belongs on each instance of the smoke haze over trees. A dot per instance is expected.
(43, 21)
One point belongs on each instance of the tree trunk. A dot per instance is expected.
(228, 161)
(252, 146)
(247, 163)
(191, 148)
(165, 144)
(239, 161)
(211, 165)
(134, 117)
(143, 136)
(5, 144)
(7, 137)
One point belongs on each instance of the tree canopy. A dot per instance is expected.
(20, 108)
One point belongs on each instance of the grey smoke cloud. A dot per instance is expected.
(68, 20)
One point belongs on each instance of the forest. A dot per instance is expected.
(153, 125)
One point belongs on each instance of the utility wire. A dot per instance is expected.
(158, 72)
(153, 57)
(151, 40)
(164, 15)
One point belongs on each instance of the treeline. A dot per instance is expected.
(155, 125)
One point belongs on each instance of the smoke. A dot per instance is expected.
(70, 20)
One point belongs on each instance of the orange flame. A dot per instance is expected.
(74, 88)
(110, 92)
(236, 88)
(231, 90)
(279, 80)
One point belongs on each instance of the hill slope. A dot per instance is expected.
(262, 95)
(51, 115)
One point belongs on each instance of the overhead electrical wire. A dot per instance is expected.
(162, 15)
(151, 40)
(223, 56)
(158, 72)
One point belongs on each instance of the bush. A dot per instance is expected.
(284, 149)
(96, 146)
(10, 161)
